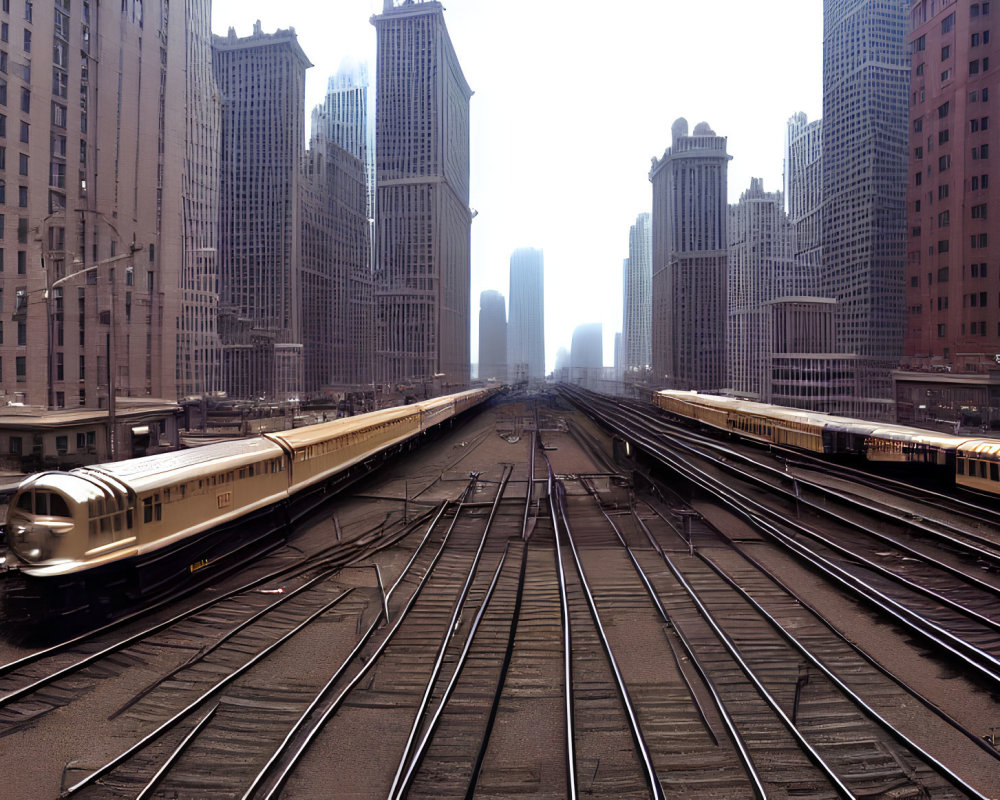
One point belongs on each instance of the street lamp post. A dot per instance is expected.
(50, 287)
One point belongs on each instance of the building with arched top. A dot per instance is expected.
(690, 260)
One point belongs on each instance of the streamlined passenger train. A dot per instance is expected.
(99, 536)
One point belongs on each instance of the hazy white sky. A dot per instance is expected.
(571, 102)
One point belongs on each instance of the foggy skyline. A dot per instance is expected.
(569, 108)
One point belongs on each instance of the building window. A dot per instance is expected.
(946, 52)
(21, 368)
(979, 211)
(914, 281)
(943, 110)
(918, 125)
(22, 164)
(974, 67)
(943, 275)
(15, 445)
(944, 162)
(918, 178)
(22, 262)
(944, 219)
(942, 247)
(975, 40)
(920, 44)
(943, 136)
(60, 82)
(941, 330)
(948, 23)
(58, 115)
(943, 191)
(919, 70)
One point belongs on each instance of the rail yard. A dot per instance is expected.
(559, 596)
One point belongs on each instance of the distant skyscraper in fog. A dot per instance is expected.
(637, 335)
(423, 221)
(690, 255)
(526, 327)
(492, 336)
(588, 346)
(866, 119)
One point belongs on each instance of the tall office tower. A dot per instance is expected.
(344, 118)
(953, 322)
(492, 336)
(198, 339)
(865, 121)
(690, 255)
(91, 265)
(337, 303)
(423, 223)
(526, 328)
(761, 269)
(587, 351)
(262, 81)
(637, 284)
(804, 196)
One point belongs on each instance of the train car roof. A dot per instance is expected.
(76, 487)
(314, 434)
(165, 468)
(918, 435)
(980, 447)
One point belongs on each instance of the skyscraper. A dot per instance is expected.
(526, 328)
(345, 119)
(197, 348)
(865, 122)
(492, 336)
(262, 81)
(423, 222)
(761, 269)
(336, 278)
(98, 258)
(953, 322)
(690, 255)
(804, 196)
(637, 336)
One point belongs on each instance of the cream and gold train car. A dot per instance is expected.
(318, 452)
(977, 465)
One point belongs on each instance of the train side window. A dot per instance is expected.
(960, 466)
(994, 471)
(147, 509)
(24, 503)
(982, 469)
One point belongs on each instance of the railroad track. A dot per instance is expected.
(950, 602)
(538, 634)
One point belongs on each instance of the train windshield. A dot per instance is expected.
(43, 504)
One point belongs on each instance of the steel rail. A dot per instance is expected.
(757, 514)
(332, 708)
(202, 654)
(692, 442)
(153, 782)
(421, 751)
(649, 770)
(170, 723)
(737, 738)
(944, 532)
(160, 626)
(451, 630)
(842, 789)
(855, 698)
(501, 679)
(976, 739)
(570, 719)
(338, 673)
